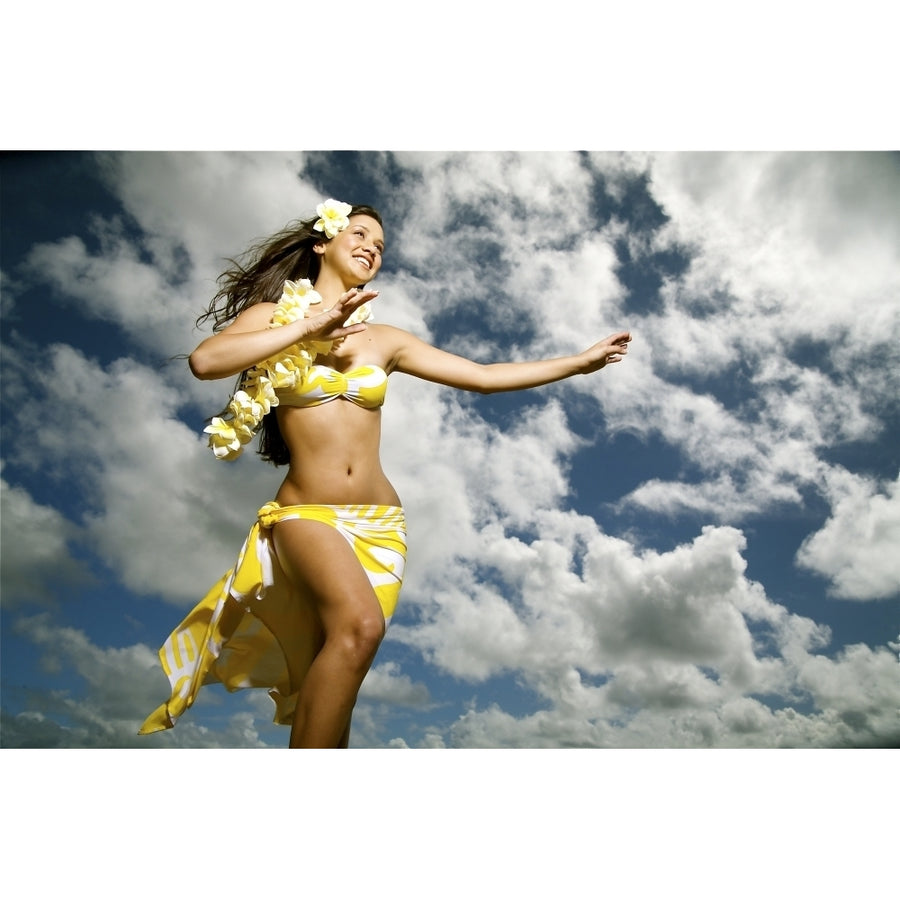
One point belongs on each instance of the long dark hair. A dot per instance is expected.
(258, 276)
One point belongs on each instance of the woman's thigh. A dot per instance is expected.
(320, 562)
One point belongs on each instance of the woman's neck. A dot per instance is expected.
(329, 286)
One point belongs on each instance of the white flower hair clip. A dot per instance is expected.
(333, 217)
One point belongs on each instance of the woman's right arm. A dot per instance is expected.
(249, 340)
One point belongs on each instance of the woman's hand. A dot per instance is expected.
(329, 324)
(610, 350)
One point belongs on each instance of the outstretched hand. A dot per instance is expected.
(610, 350)
(328, 325)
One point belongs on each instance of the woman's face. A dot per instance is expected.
(355, 252)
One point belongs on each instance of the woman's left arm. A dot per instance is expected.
(415, 357)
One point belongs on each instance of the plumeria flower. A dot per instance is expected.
(361, 314)
(296, 299)
(247, 414)
(285, 372)
(263, 393)
(223, 439)
(317, 348)
(334, 217)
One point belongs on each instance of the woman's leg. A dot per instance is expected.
(318, 560)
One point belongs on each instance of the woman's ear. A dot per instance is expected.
(319, 248)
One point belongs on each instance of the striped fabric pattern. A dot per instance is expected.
(253, 629)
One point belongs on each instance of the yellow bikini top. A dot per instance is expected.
(365, 386)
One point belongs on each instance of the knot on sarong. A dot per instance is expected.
(267, 515)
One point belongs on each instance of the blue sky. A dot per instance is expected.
(695, 548)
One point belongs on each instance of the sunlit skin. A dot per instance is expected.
(334, 451)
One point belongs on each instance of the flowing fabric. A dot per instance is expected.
(253, 629)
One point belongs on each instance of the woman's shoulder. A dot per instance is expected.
(396, 344)
(389, 337)
(253, 317)
(388, 332)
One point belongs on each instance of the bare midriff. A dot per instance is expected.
(335, 457)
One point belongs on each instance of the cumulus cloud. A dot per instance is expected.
(800, 240)
(387, 684)
(208, 205)
(113, 690)
(36, 549)
(155, 508)
(633, 649)
(759, 355)
(857, 547)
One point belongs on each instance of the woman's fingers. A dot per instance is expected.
(340, 332)
(347, 304)
(355, 298)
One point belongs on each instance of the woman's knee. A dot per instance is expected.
(358, 638)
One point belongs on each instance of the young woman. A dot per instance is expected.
(305, 608)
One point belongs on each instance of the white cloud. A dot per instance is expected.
(855, 698)
(165, 515)
(653, 649)
(35, 540)
(530, 213)
(193, 211)
(857, 547)
(815, 235)
(786, 250)
(546, 618)
(211, 205)
(821, 228)
(117, 286)
(455, 471)
(385, 683)
(124, 684)
(111, 691)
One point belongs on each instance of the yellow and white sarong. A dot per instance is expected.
(253, 630)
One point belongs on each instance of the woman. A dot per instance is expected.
(305, 608)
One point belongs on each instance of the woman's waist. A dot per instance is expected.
(336, 486)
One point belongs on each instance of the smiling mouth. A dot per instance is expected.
(367, 263)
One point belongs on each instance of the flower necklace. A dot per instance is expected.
(256, 394)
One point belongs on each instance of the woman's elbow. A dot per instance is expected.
(485, 381)
(199, 363)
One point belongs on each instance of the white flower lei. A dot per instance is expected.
(256, 395)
